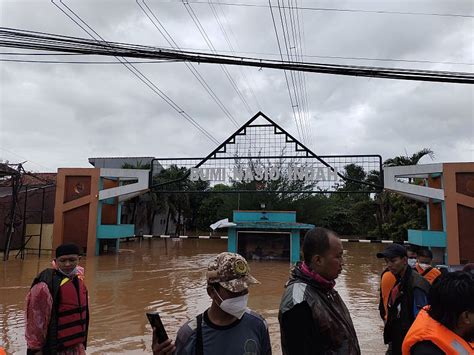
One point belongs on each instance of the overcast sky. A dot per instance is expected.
(58, 115)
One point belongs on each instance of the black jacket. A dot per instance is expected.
(314, 319)
(400, 315)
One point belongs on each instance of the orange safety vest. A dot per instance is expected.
(2, 351)
(386, 284)
(426, 328)
(429, 274)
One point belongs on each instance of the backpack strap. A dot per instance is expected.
(199, 342)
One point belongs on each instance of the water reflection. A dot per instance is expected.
(169, 276)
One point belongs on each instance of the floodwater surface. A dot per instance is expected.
(168, 276)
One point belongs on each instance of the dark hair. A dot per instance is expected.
(425, 253)
(316, 242)
(412, 248)
(450, 295)
(468, 268)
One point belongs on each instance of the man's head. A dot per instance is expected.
(451, 300)
(322, 252)
(67, 257)
(424, 256)
(228, 277)
(395, 256)
(412, 253)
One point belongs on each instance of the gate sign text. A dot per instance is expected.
(264, 173)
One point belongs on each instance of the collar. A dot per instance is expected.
(325, 284)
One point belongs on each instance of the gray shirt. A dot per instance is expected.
(246, 336)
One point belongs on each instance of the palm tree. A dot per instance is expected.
(403, 160)
(385, 199)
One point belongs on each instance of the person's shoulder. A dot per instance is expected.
(46, 276)
(294, 294)
(187, 329)
(420, 282)
(388, 276)
(255, 316)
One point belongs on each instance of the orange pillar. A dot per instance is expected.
(458, 181)
(75, 212)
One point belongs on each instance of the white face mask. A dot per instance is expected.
(71, 274)
(412, 263)
(235, 306)
(424, 266)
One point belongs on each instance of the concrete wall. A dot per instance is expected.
(46, 236)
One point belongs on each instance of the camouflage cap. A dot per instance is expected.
(231, 271)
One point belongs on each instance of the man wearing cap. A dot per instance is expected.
(57, 314)
(227, 326)
(406, 298)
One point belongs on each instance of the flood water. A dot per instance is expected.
(168, 275)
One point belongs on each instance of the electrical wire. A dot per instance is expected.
(231, 47)
(191, 67)
(85, 62)
(21, 39)
(208, 41)
(330, 9)
(139, 75)
(285, 73)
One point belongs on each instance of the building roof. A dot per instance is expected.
(5, 170)
(39, 179)
(119, 162)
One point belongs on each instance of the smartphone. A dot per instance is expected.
(155, 321)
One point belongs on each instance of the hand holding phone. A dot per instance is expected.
(157, 325)
(161, 345)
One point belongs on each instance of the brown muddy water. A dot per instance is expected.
(168, 275)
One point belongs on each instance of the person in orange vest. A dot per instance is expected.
(57, 312)
(388, 280)
(446, 326)
(406, 298)
(423, 265)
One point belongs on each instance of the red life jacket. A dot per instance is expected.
(70, 315)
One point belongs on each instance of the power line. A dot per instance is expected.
(143, 78)
(208, 41)
(303, 75)
(85, 62)
(14, 38)
(329, 9)
(286, 75)
(227, 39)
(297, 75)
(166, 35)
(27, 160)
(421, 61)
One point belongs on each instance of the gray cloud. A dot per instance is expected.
(59, 115)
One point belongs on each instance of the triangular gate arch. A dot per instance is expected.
(263, 157)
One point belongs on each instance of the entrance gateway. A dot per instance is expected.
(263, 158)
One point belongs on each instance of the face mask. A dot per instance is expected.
(71, 274)
(235, 306)
(424, 266)
(412, 263)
